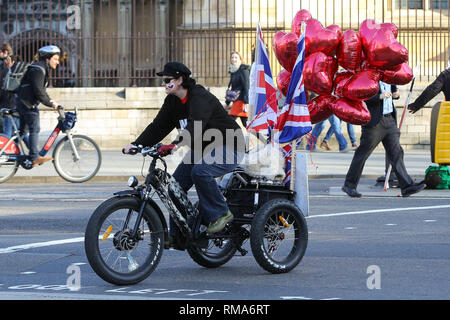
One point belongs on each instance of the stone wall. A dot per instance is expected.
(116, 116)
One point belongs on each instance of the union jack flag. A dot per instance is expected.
(294, 120)
(266, 92)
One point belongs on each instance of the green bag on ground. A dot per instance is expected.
(437, 177)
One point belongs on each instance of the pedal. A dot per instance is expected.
(242, 251)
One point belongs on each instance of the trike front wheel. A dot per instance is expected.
(112, 251)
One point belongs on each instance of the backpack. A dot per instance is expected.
(437, 177)
(14, 76)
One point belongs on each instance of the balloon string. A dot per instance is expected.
(310, 142)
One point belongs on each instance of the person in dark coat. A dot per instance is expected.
(441, 84)
(382, 127)
(7, 99)
(239, 81)
(31, 92)
(197, 113)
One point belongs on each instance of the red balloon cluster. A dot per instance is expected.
(367, 56)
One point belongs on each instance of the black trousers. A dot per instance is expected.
(386, 132)
(30, 122)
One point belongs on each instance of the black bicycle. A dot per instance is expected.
(126, 235)
(76, 157)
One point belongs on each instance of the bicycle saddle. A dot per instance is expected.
(9, 111)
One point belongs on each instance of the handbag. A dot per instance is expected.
(231, 95)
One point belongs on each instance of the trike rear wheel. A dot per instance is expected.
(279, 236)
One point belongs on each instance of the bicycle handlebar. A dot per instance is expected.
(60, 110)
(147, 151)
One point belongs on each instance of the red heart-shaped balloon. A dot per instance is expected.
(340, 81)
(362, 86)
(319, 39)
(385, 51)
(285, 48)
(301, 16)
(349, 50)
(320, 108)
(399, 75)
(369, 27)
(350, 111)
(283, 79)
(367, 30)
(318, 73)
(335, 28)
(391, 27)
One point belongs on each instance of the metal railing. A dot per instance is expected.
(125, 42)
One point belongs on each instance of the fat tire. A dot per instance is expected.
(207, 261)
(92, 248)
(257, 235)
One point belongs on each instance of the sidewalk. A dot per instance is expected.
(118, 167)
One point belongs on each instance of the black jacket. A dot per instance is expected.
(201, 106)
(32, 90)
(6, 98)
(375, 106)
(239, 80)
(442, 83)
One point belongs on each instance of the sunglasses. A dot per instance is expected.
(167, 80)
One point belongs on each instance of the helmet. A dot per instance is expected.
(48, 51)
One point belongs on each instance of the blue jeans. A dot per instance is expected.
(317, 130)
(8, 125)
(202, 174)
(350, 130)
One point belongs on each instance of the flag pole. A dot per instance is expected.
(293, 164)
(388, 173)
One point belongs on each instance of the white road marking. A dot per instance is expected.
(376, 211)
(40, 244)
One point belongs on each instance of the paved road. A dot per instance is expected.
(376, 247)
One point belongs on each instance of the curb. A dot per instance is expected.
(124, 178)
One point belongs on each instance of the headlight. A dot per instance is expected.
(132, 182)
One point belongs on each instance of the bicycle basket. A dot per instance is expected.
(69, 121)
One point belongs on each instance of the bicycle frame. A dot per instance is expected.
(47, 146)
(21, 155)
(161, 182)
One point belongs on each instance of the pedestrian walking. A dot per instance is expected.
(382, 127)
(239, 85)
(351, 133)
(335, 124)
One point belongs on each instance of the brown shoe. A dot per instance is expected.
(324, 145)
(41, 160)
